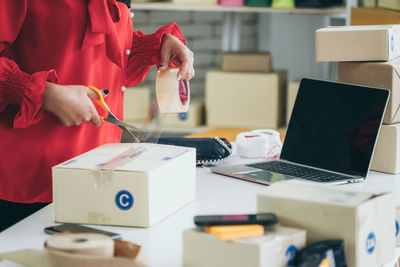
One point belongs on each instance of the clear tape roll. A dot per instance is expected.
(173, 94)
(82, 243)
(262, 143)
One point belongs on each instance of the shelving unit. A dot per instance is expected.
(232, 20)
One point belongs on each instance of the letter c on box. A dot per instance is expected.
(124, 200)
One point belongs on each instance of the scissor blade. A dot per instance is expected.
(135, 139)
(113, 119)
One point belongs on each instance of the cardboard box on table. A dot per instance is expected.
(139, 185)
(358, 43)
(390, 4)
(136, 103)
(365, 221)
(374, 16)
(192, 118)
(376, 74)
(245, 100)
(275, 249)
(246, 62)
(386, 156)
(293, 88)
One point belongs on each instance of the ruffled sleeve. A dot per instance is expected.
(146, 52)
(17, 87)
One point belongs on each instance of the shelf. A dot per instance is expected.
(243, 9)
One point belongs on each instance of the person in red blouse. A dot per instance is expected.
(49, 52)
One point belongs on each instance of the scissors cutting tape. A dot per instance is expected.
(112, 118)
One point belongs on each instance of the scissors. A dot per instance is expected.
(112, 118)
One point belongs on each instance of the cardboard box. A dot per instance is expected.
(390, 4)
(358, 43)
(275, 249)
(142, 184)
(192, 118)
(245, 100)
(374, 16)
(136, 103)
(376, 74)
(293, 88)
(368, 3)
(247, 62)
(363, 220)
(386, 156)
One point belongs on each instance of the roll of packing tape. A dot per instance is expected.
(263, 143)
(82, 243)
(173, 94)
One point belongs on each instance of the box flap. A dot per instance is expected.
(318, 193)
(126, 157)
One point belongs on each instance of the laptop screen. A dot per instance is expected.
(334, 126)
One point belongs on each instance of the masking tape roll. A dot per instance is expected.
(82, 243)
(173, 94)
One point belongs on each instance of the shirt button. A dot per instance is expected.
(132, 14)
(127, 52)
(123, 88)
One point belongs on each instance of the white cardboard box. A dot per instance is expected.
(386, 156)
(363, 220)
(245, 100)
(397, 227)
(275, 249)
(138, 185)
(358, 43)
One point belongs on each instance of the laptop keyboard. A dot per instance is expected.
(299, 171)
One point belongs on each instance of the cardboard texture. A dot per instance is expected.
(275, 249)
(390, 4)
(143, 184)
(374, 16)
(247, 62)
(44, 258)
(192, 118)
(136, 103)
(386, 156)
(376, 74)
(245, 100)
(293, 88)
(363, 220)
(358, 43)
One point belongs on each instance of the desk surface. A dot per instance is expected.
(162, 243)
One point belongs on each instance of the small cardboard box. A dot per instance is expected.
(386, 156)
(245, 100)
(293, 88)
(124, 184)
(376, 74)
(247, 62)
(390, 4)
(136, 103)
(374, 16)
(363, 220)
(275, 249)
(358, 43)
(192, 118)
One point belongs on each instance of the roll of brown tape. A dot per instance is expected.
(173, 93)
(82, 243)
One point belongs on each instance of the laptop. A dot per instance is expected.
(331, 136)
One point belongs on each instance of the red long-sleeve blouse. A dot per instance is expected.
(69, 42)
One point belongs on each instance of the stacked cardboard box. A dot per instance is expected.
(377, 65)
(245, 93)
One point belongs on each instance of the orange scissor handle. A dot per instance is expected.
(99, 101)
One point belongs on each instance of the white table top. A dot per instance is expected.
(162, 243)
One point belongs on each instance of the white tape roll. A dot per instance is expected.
(82, 243)
(173, 94)
(263, 143)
